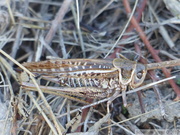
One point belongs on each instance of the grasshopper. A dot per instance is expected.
(93, 78)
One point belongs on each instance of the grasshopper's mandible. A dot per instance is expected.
(91, 78)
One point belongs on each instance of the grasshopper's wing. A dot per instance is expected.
(67, 65)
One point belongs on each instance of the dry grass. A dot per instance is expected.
(33, 30)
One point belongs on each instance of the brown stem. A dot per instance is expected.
(84, 115)
(140, 101)
(150, 48)
(138, 14)
(154, 78)
(55, 23)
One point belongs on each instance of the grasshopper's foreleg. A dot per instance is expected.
(114, 96)
(124, 98)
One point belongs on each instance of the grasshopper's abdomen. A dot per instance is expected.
(89, 80)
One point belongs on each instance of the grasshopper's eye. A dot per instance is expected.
(139, 75)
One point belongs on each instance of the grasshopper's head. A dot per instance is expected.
(130, 72)
(139, 75)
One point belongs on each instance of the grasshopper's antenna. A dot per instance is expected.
(163, 64)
